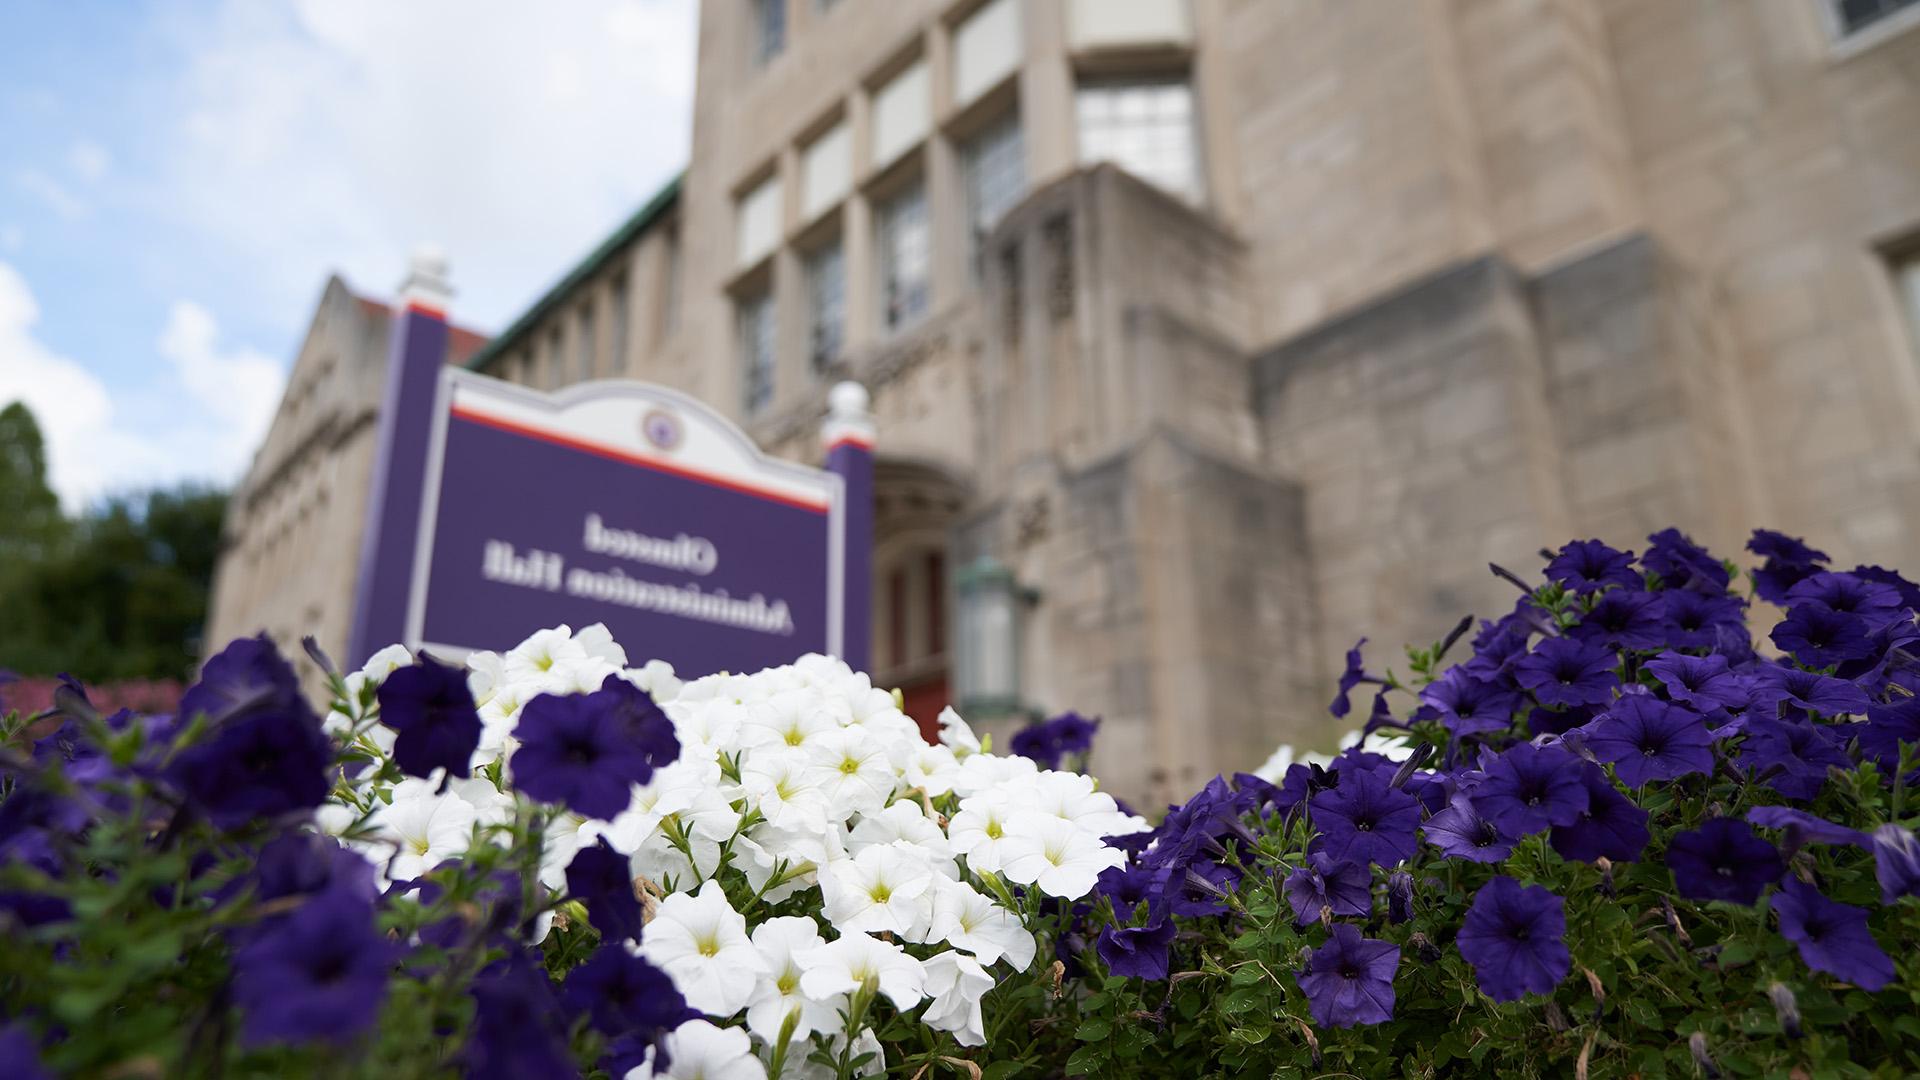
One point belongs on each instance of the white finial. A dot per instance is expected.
(426, 281)
(847, 417)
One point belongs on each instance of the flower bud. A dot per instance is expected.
(1399, 897)
(1697, 1044)
(1414, 761)
(1786, 1008)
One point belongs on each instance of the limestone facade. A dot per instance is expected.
(1407, 288)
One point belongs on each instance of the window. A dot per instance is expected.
(995, 163)
(620, 300)
(1854, 16)
(902, 111)
(769, 30)
(583, 345)
(757, 222)
(1145, 127)
(986, 49)
(826, 170)
(756, 350)
(826, 306)
(905, 259)
(555, 375)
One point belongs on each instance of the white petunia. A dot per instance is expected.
(423, 828)
(778, 996)
(881, 890)
(1062, 860)
(979, 830)
(931, 768)
(903, 823)
(1072, 798)
(790, 719)
(956, 982)
(698, 1050)
(956, 735)
(987, 772)
(844, 966)
(532, 660)
(701, 942)
(966, 919)
(780, 783)
(851, 771)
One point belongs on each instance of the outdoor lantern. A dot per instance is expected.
(987, 671)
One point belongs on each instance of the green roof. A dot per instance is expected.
(642, 219)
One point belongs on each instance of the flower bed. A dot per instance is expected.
(1612, 840)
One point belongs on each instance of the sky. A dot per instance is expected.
(178, 180)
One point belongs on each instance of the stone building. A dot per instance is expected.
(1237, 329)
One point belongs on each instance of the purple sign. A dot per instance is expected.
(625, 504)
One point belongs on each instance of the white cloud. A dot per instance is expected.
(220, 402)
(85, 450)
(343, 133)
(50, 191)
(89, 160)
(238, 387)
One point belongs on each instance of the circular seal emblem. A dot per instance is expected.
(661, 428)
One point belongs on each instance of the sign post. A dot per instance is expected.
(499, 510)
(415, 355)
(848, 435)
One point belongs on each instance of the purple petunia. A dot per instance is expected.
(1697, 621)
(318, 975)
(1585, 566)
(433, 711)
(306, 864)
(1530, 788)
(264, 753)
(1349, 980)
(1802, 827)
(1325, 882)
(1623, 619)
(1817, 693)
(1873, 601)
(1896, 862)
(1515, 938)
(1789, 561)
(1647, 739)
(1470, 706)
(587, 751)
(1611, 827)
(1461, 832)
(1703, 682)
(1364, 820)
(1349, 679)
(1048, 742)
(1818, 636)
(1792, 756)
(1722, 860)
(1683, 564)
(1140, 952)
(602, 879)
(623, 993)
(518, 1028)
(1562, 671)
(1886, 728)
(1831, 936)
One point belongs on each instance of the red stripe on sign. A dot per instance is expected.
(849, 440)
(612, 453)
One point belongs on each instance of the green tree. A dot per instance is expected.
(120, 592)
(31, 524)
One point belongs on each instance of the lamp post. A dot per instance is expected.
(988, 667)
